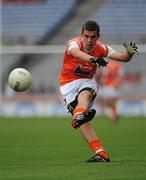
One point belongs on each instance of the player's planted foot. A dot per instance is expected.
(99, 158)
(83, 118)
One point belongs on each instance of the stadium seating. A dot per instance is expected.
(119, 18)
(28, 23)
(34, 21)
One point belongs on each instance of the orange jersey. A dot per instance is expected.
(112, 73)
(74, 69)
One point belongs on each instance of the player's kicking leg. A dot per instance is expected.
(81, 118)
(80, 107)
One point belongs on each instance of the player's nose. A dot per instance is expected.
(89, 39)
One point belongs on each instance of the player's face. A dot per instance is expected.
(89, 39)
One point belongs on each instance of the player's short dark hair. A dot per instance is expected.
(91, 26)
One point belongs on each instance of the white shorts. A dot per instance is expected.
(70, 90)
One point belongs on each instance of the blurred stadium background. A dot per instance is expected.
(33, 36)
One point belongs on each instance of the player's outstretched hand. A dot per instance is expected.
(99, 62)
(131, 48)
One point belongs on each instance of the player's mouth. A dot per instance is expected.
(89, 46)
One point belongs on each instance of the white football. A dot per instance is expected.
(20, 79)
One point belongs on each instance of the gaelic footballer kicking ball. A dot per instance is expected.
(19, 79)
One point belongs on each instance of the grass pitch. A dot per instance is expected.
(49, 149)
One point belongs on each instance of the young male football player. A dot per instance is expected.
(83, 55)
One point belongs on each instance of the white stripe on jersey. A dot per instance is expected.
(110, 51)
(71, 45)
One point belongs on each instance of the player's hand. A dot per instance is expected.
(99, 62)
(131, 48)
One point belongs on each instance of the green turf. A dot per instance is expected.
(49, 149)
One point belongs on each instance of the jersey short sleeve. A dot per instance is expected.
(110, 51)
(72, 44)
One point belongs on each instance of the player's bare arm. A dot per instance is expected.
(80, 55)
(126, 56)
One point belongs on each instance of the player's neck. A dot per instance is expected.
(89, 50)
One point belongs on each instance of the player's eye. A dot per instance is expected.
(93, 37)
(86, 36)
